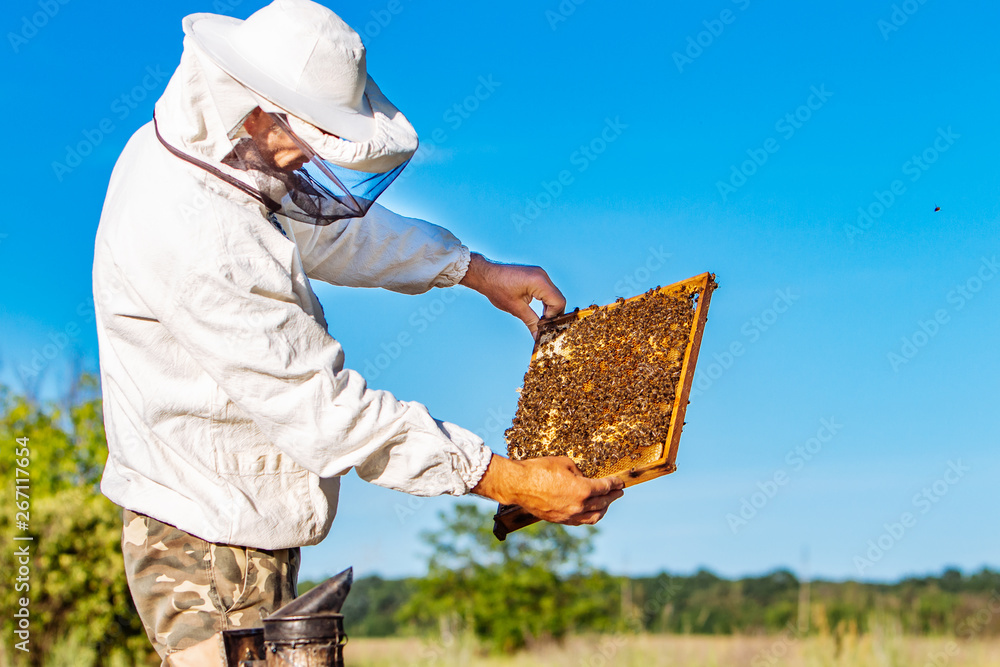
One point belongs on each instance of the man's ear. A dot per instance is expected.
(256, 121)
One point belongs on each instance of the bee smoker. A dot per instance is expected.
(306, 632)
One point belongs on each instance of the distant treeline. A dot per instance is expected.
(955, 604)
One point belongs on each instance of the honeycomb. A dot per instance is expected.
(602, 384)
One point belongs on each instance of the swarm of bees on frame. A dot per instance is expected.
(601, 389)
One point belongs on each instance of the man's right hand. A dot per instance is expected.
(512, 288)
(551, 488)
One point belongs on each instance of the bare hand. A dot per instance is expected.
(512, 287)
(551, 488)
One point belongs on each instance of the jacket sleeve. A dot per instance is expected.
(237, 308)
(382, 249)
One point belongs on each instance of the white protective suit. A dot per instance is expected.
(228, 410)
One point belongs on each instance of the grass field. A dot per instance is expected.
(690, 651)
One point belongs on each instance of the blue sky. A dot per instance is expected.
(796, 150)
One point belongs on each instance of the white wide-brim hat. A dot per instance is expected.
(298, 57)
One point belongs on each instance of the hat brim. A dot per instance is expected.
(212, 33)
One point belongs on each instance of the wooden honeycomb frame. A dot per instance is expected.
(659, 460)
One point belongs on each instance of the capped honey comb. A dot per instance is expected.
(608, 385)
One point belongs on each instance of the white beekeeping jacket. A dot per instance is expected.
(228, 410)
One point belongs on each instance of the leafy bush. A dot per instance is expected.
(81, 612)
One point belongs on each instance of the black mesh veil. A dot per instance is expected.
(308, 188)
(289, 177)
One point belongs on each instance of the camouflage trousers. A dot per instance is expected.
(186, 589)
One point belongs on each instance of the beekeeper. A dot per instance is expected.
(230, 415)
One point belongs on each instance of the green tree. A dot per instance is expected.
(371, 607)
(81, 612)
(534, 586)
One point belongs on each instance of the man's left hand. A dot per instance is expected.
(512, 287)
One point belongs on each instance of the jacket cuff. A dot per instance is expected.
(480, 462)
(456, 270)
